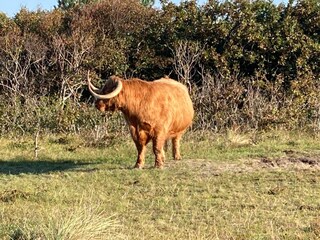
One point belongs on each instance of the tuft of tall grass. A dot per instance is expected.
(236, 139)
(75, 223)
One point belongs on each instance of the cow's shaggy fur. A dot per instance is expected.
(155, 111)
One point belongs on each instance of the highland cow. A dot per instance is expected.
(154, 111)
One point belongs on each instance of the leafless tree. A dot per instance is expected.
(186, 56)
(69, 54)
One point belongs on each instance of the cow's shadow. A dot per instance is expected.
(25, 166)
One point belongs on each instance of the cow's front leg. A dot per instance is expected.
(158, 151)
(141, 139)
(141, 147)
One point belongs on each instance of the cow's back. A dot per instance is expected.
(163, 105)
(177, 103)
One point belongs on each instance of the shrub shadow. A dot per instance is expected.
(25, 166)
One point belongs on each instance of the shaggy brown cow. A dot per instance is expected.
(157, 111)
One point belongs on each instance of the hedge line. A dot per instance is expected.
(248, 64)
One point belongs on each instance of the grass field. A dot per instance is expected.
(232, 186)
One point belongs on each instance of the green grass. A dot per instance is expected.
(232, 186)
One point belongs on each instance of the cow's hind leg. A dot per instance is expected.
(158, 144)
(176, 147)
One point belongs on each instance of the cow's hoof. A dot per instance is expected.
(138, 166)
(158, 166)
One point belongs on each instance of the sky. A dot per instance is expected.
(11, 7)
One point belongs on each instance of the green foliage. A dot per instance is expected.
(243, 48)
(147, 3)
(68, 4)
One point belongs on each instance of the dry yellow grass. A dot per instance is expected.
(266, 190)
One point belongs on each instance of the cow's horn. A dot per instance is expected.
(96, 91)
(91, 87)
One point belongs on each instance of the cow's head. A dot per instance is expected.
(105, 97)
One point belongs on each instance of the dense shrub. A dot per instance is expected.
(254, 103)
(248, 64)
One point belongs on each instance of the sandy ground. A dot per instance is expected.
(291, 161)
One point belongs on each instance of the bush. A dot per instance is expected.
(249, 64)
(231, 103)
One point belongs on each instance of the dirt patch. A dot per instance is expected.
(291, 162)
(292, 159)
(210, 167)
